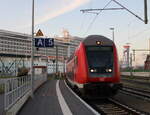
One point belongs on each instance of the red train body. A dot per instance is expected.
(93, 68)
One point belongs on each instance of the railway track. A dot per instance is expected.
(109, 106)
(116, 107)
(139, 82)
(136, 77)
(136, 92)
(112, 107)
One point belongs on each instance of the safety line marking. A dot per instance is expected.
(64, 107)
(87, 105)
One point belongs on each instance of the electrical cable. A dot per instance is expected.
(139, 33)
(82, 24)
(90, 25)
(83, 19)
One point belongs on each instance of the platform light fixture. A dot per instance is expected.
(113, 36)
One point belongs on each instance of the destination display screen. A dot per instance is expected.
(99, 48)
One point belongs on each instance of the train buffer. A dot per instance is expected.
(55, 98)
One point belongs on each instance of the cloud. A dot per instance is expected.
(74, 4)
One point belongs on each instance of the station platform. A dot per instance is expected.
(55, 98)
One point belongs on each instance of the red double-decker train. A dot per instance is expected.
(93, 69)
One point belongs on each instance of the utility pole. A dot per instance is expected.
(131, 74)
(47, 62)
(32, 51)
(145, 11)
(56, 59)
(149, 46)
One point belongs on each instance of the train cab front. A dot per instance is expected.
(103, 76)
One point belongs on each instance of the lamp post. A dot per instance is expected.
(113, 36)
(32, 50)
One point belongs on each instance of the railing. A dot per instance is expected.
(2, 86)
(1, 97)
(38, 80)
(15, 88)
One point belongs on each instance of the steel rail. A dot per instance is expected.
(136, 92)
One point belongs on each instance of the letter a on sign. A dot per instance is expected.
(39, 33)
(39, 42)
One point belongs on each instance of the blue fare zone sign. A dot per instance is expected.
(44, 42)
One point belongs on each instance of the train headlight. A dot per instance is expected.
(93, 70)
(109, 70)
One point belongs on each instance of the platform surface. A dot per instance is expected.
(54, 98)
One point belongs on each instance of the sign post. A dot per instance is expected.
(45, 43)
(32, 49)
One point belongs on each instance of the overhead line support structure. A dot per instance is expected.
(90, 10)
(145, 11)
(145, 20)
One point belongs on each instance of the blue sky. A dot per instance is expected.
(51, 16)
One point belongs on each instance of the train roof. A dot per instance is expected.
(93, 39)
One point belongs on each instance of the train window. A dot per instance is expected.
(100, 60)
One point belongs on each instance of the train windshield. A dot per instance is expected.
(100, 61)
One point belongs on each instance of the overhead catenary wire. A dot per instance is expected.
(81, 28)
(140, 33)
(82, 24)
(135, 36)
(90, 25)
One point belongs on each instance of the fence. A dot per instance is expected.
(2, 86)
(38, 80)
(16, 88)
(1, 97)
